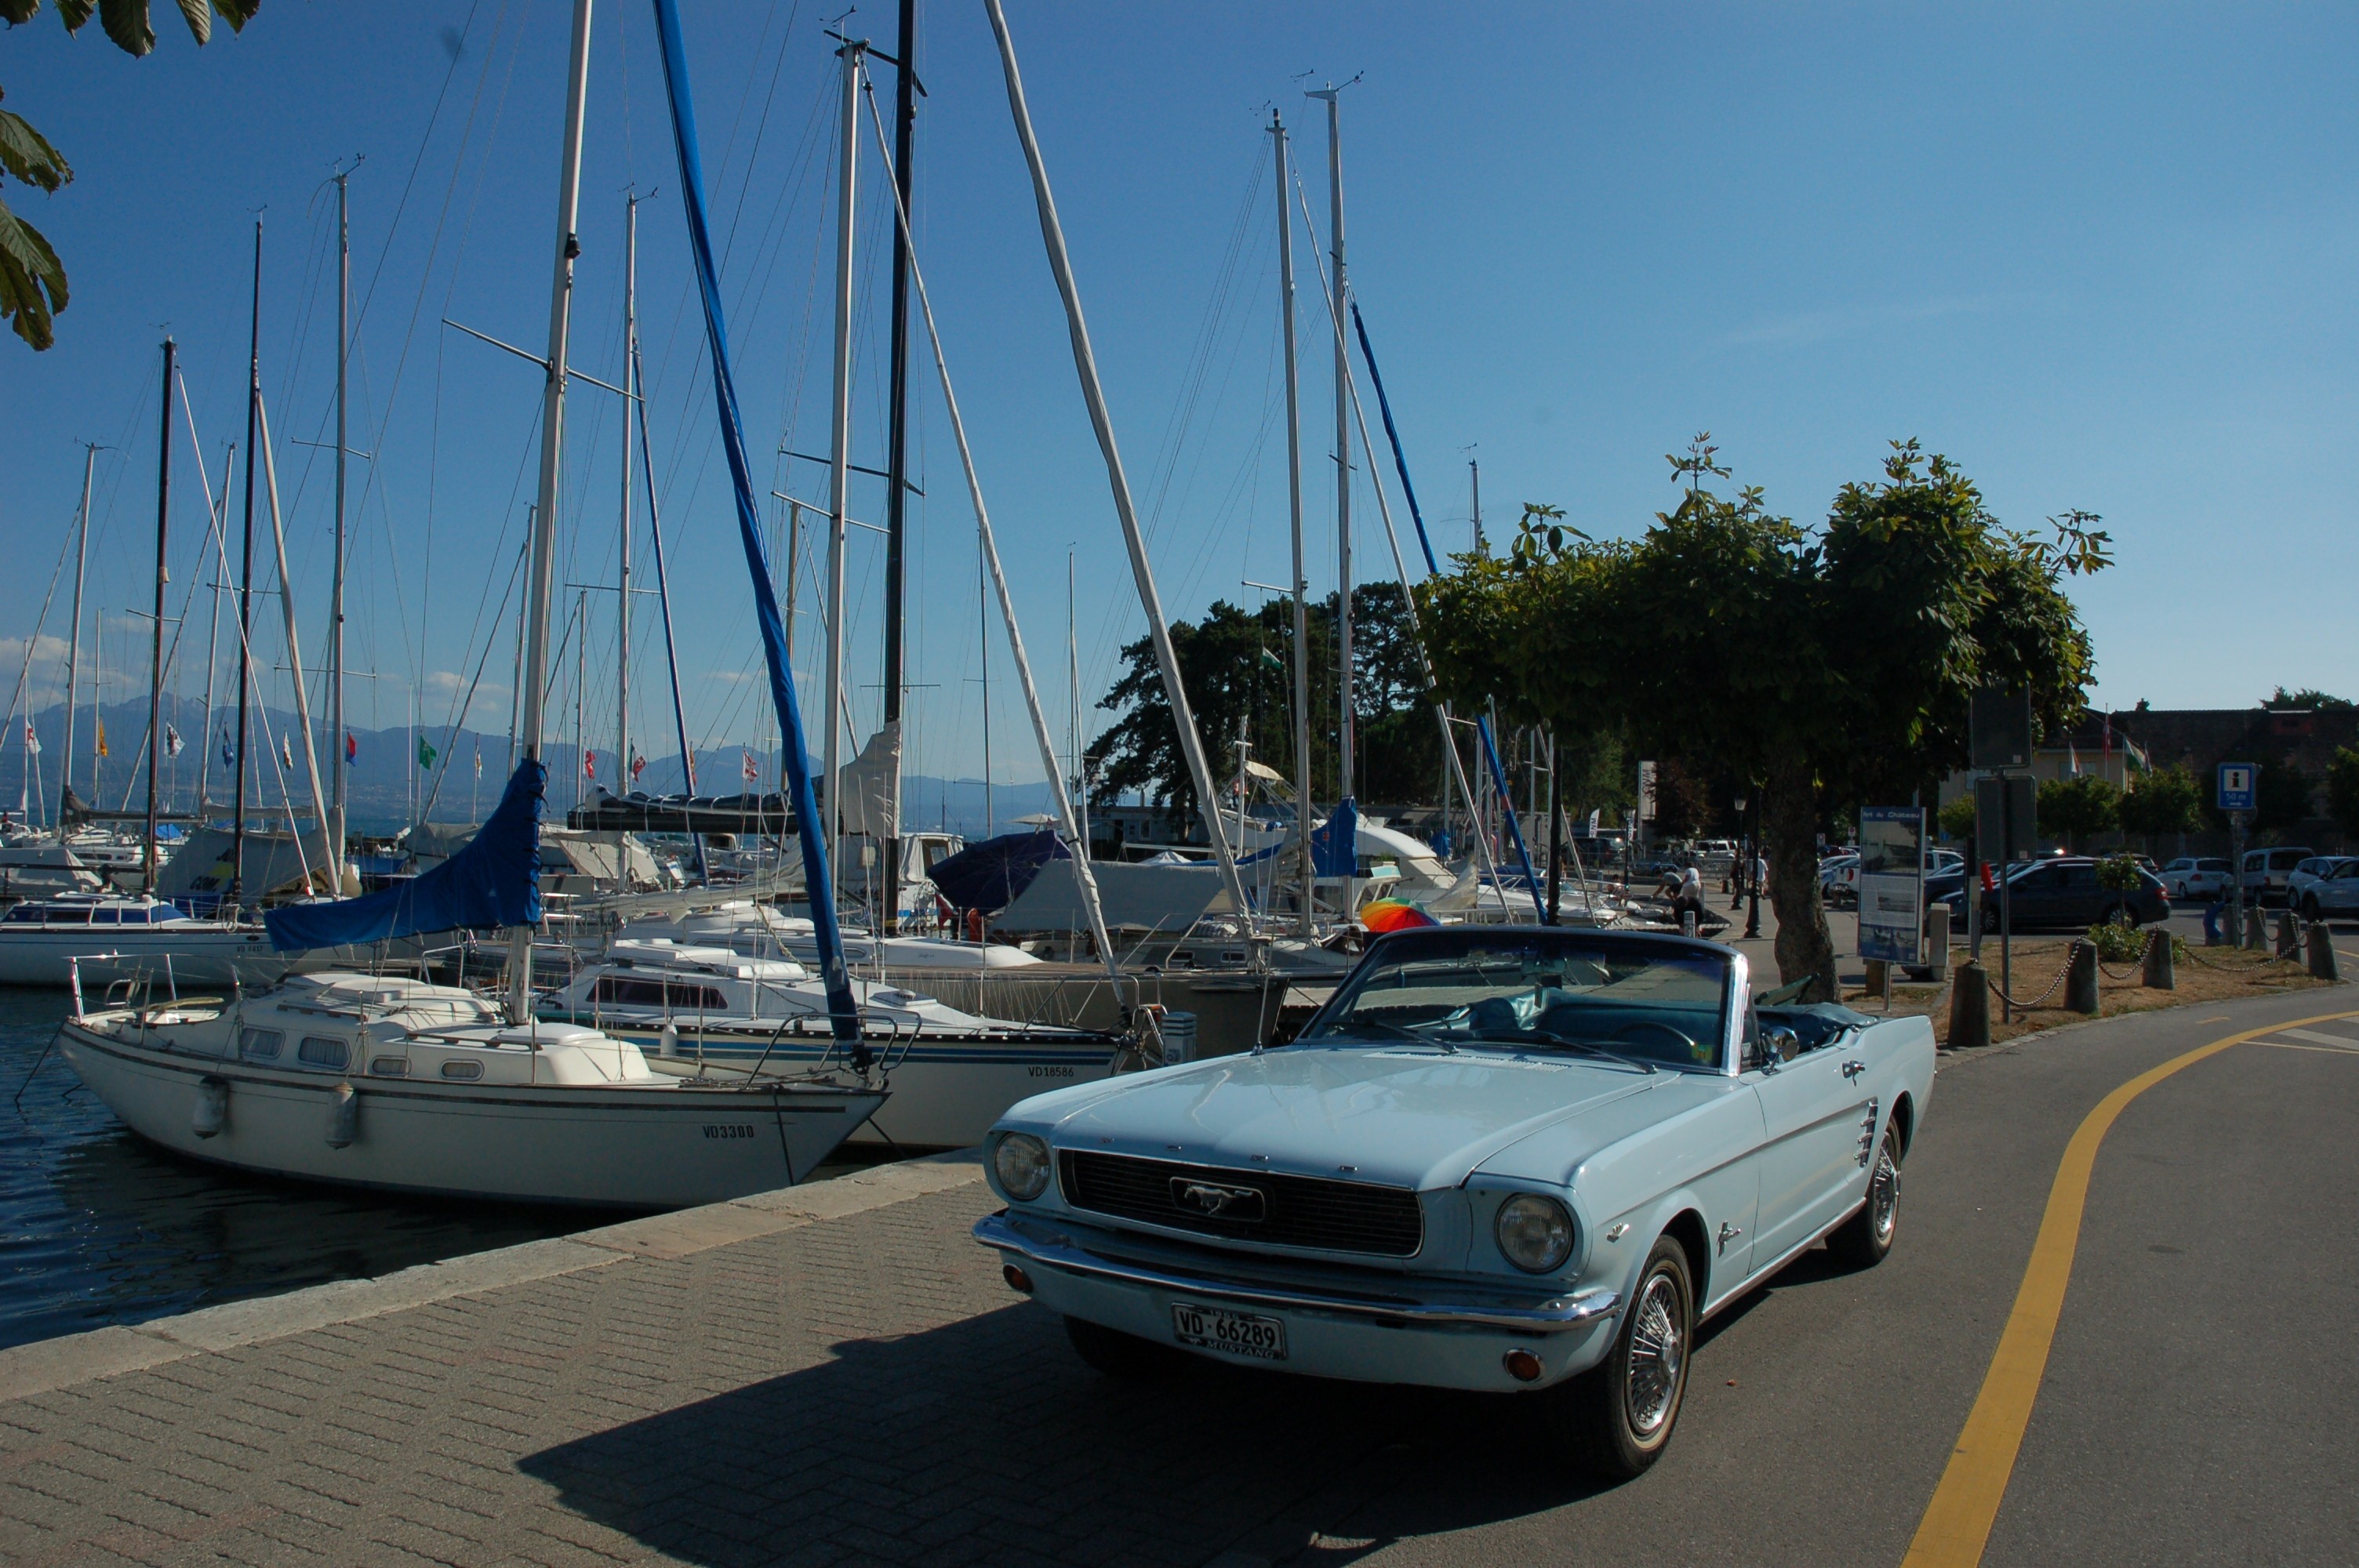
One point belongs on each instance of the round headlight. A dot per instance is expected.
(1021, 1163)
(1535, 1233)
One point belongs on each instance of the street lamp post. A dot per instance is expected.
(1752, 867)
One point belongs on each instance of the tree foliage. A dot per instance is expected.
(2342, 790)
(32, 280)
(2162, 801)
(1823, 666)
(1957, 818)
(2308, 696)
(2077, 808)
(2281, 795)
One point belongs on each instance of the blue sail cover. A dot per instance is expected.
(493, 881)
(1335, 843)
(988, 875)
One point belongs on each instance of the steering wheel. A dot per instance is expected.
(1654, 1032)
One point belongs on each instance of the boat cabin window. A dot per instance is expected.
(701, 999)
(618, 992)
(260, 1045)
(463, 1069)
(27, 914)
(75, 915)
(389, 1066)
(317, 1051)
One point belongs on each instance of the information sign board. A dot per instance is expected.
(1892, 883)
(2237, 782)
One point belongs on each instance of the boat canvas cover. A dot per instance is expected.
(493, 882)
(989, 876)
(1135, 897)
(274, 865)
(1335, 843)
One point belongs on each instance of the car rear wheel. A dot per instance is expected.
(1119, 1354)
(2310, 906)
(1863, 1238)
(1618, 1416)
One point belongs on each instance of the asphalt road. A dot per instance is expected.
(2198, 1399)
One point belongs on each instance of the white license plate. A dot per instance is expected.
(1230, 1333)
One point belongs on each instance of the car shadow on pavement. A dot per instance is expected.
(988, 1440)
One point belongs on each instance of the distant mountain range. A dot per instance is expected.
(386, 786)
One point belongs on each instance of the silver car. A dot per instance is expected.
(2193, 877)
(2332, 894)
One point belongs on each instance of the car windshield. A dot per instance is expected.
(1648, 1001)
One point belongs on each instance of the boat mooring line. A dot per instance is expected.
(1957, 1523)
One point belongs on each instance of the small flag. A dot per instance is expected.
(589, 764)
(426, 753)
(2073, 753)
(638, 765)
(171, 741)
(229, 750)
(286, 749)
(752, 772)
(1271, 661)
(479, 759)
(352, 749)
(32, 742)
(101, 739)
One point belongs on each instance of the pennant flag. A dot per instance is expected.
(589, 763)
(172, 741)
(638, 766)
(351, 748)
(752, 772)
(32, 742)
(229, 750)
(2073, 753)
(426, 753)
(101, 739)
(1271, 661)
(286, 749)
(479, 759)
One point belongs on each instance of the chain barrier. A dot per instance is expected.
(1999, 991)
(2137, 965)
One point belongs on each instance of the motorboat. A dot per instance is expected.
(393, 1083)
(701, 1010)
(42, 937)
(763, 930)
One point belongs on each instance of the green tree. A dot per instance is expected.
(1833, 665)
(32, 279)
(2308, 696)
(2165, 801)
(1957, 818)
(2079, 808)
(2342, 790)
(2281, 795)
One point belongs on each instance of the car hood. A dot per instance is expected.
(1404, 1115)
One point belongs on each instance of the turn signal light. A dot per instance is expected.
(1522, 1366)
(1018, 1279)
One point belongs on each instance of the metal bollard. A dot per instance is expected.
(2081, 979)
(1969, 1006)
(1686, 922)
(2321, 952)
(2257, 930)
(2289, 935)
(2161, 962)
(1937, 942)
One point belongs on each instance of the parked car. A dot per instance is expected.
(2064, 891)
(2196, 877)
(1518, 1159)
(2334, 895)
(1838, 880)
(2266, 872)
(2315, 870)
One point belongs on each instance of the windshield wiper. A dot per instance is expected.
(1595, 1049)
(1398, 1031)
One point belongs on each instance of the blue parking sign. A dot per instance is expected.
(2236, 785)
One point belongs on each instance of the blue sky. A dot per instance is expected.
(2099, 255)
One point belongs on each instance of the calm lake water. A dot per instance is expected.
(98, 1227)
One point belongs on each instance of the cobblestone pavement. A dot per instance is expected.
(858, 1389)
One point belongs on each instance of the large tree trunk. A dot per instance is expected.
(1790, 821)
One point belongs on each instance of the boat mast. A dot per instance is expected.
(630, 407)
(74, 638)
(1345, 788)
(663, 586)
(156, 627)
(838, 441)
(896, 439)
(213, 641)
(1294, 503)
(1052, 235)
(294, 642)
(552, 452)
(335, 825)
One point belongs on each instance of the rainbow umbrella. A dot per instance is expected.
(1385, 915)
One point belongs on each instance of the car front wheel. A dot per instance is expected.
(1863, 1238)
(1619, 1415)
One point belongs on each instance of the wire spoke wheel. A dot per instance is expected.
(1884, 1194)
(1650, 1389)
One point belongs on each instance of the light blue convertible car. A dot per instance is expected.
(1527, 1159)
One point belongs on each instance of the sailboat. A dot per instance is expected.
(401, 1084)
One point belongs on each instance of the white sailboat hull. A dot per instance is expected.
(946, 1093)
(660, 1146)
(211, 960)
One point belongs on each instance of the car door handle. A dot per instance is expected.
(1853, 1069)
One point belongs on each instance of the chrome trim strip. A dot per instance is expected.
(1551, 1316)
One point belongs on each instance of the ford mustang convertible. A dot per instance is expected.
(1522, 1160)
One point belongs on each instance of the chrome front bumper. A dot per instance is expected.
(1035, 1244)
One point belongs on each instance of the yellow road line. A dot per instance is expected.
(1957, 1522)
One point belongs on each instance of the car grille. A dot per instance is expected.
(1295, 1211)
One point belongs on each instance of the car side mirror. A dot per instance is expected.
(1777, 1047)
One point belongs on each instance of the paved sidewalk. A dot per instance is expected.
(830, 1374)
